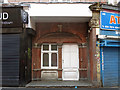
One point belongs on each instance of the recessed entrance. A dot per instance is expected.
(70, 62)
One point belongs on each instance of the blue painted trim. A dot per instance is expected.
(100, 43)
(110, 43)
(109, 33)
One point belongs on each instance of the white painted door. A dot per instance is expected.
(70, 62)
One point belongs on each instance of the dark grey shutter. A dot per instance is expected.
(10, 59)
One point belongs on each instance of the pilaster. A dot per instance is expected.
(94, 26)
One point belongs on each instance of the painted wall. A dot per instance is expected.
(60, 10)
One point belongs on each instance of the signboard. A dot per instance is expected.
(110, 32)
(109, 20)
(24, 17)
(12, 17)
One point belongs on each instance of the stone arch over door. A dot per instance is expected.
(59, 37)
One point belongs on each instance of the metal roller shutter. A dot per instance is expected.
(10, 59)
(110, 72)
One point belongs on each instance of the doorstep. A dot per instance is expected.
(42, 84)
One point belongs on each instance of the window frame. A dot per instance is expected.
(50, 53)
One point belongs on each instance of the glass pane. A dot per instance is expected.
(54, 59)
(54, 47)
(46, 47)
(45, 59)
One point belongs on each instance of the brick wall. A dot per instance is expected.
(77, 32)
(51, 33)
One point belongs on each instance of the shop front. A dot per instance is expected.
(109, 46)
(109, 62)
(15, 63)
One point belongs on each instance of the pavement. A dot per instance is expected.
(59, 84)
(19, 88)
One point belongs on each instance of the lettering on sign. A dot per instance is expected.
(4, 16)
(113, 20)
(109, 20)
(10, 17)
(13, 17)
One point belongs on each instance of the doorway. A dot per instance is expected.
(70, 62)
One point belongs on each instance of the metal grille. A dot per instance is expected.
(110, 71)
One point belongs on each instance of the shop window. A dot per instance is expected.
(49, 56)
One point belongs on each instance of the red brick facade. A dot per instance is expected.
(68, 33)
(75, 32)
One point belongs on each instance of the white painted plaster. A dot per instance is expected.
(80, 10)
(58, 13)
